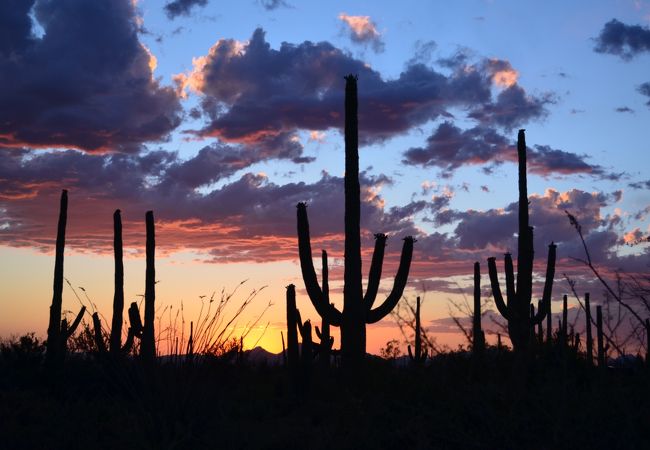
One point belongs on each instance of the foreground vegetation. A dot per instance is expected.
(230, 402)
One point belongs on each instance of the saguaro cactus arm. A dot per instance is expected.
(548, 286)
(375, 315)
(322, 305)
(375, 270)
(72, 328)
(496, 288)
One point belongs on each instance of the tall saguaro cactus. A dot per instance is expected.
(58, 331)
(148, 344)
(357, 307)
(516, 308)
(118, 296)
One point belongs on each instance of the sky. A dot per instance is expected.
(222, 116)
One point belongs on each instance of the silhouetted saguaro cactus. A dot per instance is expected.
(549, 324)
(599, 337)
(58, 331)
(326, 340)
(115, 341)
(647, 342)
(590, 341)
(419, 356)
(516, 308)
(148, 344)
(99, 336)
(564, 328)
(292, 333)
(325, 345)
(540, 327)
(478, 337)
(357, 308)
(306, 349)
(118, 295)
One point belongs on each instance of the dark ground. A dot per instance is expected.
(452, 403)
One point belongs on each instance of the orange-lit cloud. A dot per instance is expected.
(362, 29)
(503, 74)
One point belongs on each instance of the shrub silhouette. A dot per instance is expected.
(516, 308)
(357, 309)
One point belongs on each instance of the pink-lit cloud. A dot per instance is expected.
(362, 30)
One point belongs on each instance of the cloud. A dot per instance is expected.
(271, 5)
(644, 89)
(177, 8)
(87, 83)
(449, 148)
(246, 219)
(363, 31)
(512, 108)
(625, 41)
(251, 93)
(624, 109)
(640, 184)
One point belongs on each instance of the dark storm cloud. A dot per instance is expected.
(449, 148)
(251, 92)
(625, 41)
(182, 7)
(86, 83)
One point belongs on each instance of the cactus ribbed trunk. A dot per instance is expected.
(118, 296)
(54, 354)
(590, 340)
(148, 343)
(353, 328)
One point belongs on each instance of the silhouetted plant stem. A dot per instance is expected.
(357, 308)
(148, 344)
(590, 343)
(419, 357)
(118, 296)
(99, 337)
(540, 328)
(549, 324)
(292, 332)
(58, 331)
(516, 308)
(478, 337)
(284, 350)
(565, 321)
(599, 336)
(647, 344)
(326, 340)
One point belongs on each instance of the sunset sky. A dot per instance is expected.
(222, 116)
